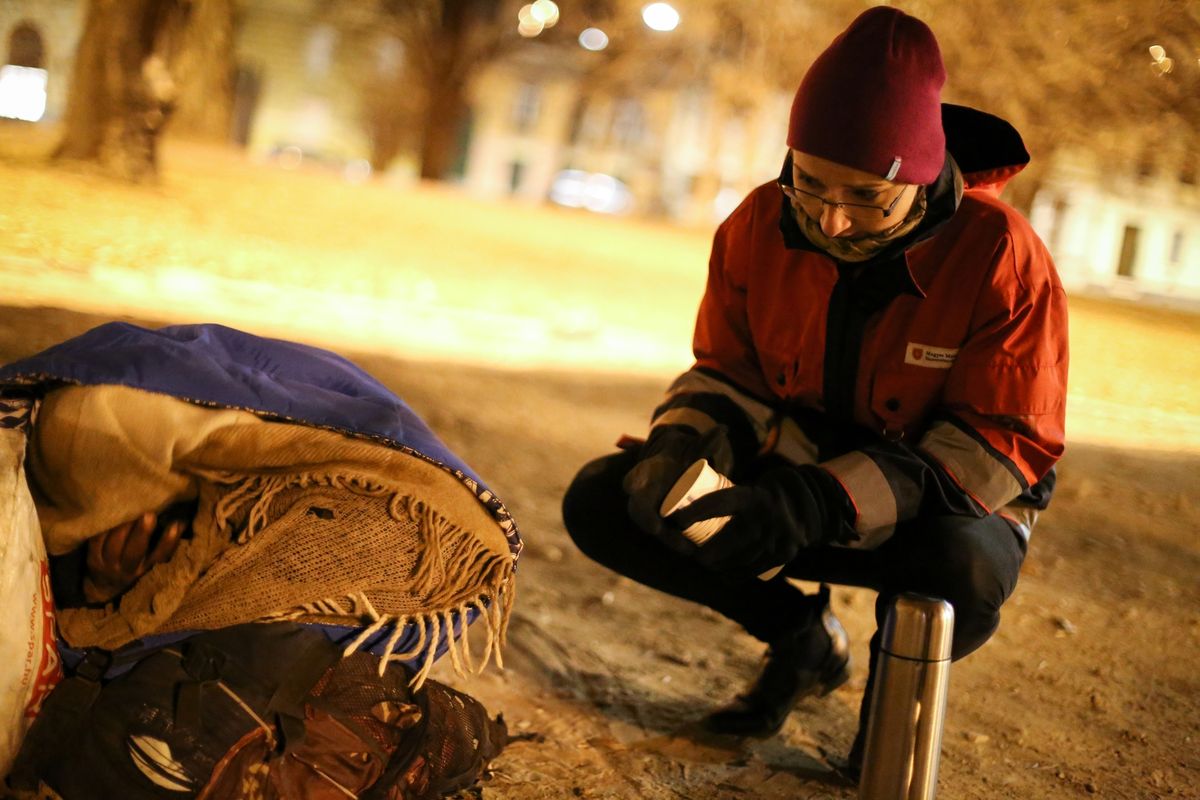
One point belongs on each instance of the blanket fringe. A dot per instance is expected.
(492, 612)
(446, 550)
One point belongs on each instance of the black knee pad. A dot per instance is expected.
(594, 503)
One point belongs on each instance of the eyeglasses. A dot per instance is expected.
(814, 205)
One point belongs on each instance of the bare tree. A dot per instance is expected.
(740, 54)
(392, 107)
(1075, 76)
(1070, 76)
(121, 91)
(125, 85)
(423, 98)
(205, 70)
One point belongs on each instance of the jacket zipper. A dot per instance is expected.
(844, 328)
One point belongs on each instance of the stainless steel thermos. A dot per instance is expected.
(908, 705)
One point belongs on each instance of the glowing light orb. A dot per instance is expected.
(545, 12)
(528, 23)
(1161, 64)
(660, 17)
(530, 29)
(593, 39)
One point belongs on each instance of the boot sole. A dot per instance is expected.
(821, 689)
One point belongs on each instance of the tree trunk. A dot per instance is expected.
(386, 137)
(122, 91)
(446, 44)
(446, 78)
(445, 112)
(204, 64)
(391, 108)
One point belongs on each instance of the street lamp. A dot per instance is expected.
(545, 11)
(535, 17)
(660, 17)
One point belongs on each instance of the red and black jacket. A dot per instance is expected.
(928, 380)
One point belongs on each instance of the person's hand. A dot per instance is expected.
(772, 520)
(121, 555)
(664, 458)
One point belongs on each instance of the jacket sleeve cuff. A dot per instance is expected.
(872, 504)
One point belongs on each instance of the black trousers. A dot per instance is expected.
(972, 563)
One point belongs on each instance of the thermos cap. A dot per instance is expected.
(919, 628)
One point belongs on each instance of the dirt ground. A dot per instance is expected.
(1089, 689)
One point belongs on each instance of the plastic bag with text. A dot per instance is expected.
(30, 665)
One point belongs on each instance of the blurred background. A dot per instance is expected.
(536, 184)
(503, 210)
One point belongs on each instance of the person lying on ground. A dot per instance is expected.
(245, 535)
(203, 477)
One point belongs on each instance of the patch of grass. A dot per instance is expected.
(315, 255)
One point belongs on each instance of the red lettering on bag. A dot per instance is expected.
(49, 668)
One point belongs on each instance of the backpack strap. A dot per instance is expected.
(283, 685)
(288, 701)
(60, 721)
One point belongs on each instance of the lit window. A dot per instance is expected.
(1177, 247)
(22, 92)
(318, 53)
(628, 123)
(389, 55)
(526, 107)
(516, 174)
(1187, 175)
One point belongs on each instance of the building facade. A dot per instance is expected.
(1132, 233)
(39, 40)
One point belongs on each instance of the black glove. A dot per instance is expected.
(664, 457)
(783, 511)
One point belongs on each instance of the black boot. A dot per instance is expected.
(851, 768)
(814, 660)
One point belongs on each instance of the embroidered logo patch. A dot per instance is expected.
(924, 355)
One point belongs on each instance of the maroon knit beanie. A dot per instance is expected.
(872, 100)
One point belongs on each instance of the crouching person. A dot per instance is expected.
(258, 553)
(881, 361)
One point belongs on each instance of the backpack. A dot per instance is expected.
(257, 711)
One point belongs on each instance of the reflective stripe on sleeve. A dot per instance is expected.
(685, 416)
(1022, 516)
(872, 496)
(794, 445)
(696, 382)
(979, 473)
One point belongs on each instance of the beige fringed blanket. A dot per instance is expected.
(293, 523)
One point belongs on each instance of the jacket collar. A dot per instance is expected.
(888, 273)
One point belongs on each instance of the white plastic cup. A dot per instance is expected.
(701, 479)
